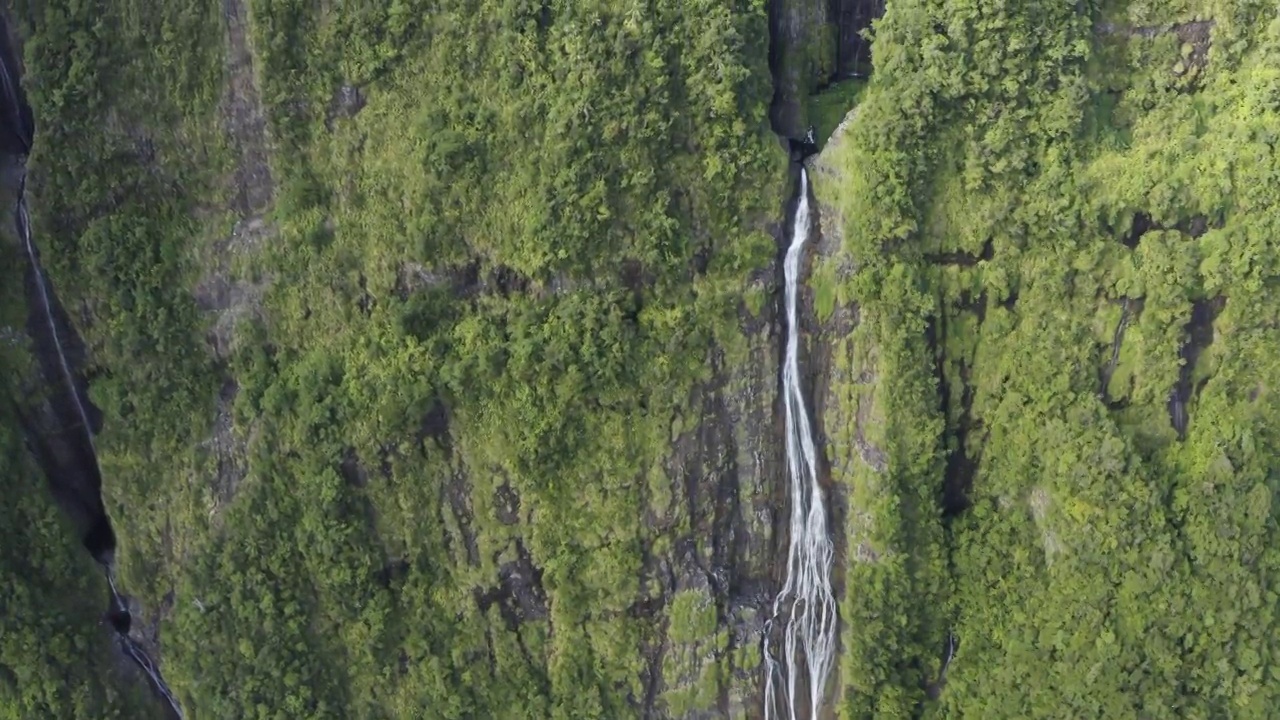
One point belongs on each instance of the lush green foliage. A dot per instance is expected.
(125, 151)
(1105, 568)
(55, 661)
(508, 247)
(502, 278)
(827, 109)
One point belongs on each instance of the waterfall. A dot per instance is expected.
(806, 594)
(126, 642)
(17, 113)
(24, 229)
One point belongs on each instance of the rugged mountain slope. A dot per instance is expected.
(437, 347)
(1069, 215)
(429, 376)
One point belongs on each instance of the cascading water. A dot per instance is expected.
(16, 121)
(806, 595)
(121, 619)
(46, 306)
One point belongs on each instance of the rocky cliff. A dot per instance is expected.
(437, 349)
(368, 449)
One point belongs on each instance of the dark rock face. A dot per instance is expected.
(64, 454)
(57, 418)
(727, 470)
(814, 43)
(801, 58)
(16, 125)
(347, 101)
(1199, 336)
(803, 148)
(853, 52)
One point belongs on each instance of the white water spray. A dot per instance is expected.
(24, 228)
(806, 596)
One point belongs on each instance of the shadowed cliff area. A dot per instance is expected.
(815, 45)
(56, 421)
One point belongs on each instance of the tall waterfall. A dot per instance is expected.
(806, 597)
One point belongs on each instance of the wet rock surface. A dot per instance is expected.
(728, 469)
(852, 18)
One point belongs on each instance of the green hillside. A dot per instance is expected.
(437, 345)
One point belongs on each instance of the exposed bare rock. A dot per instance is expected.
(1039, 502)
(726, 468)
(1187, 31)
(347, 101)
(244, 120)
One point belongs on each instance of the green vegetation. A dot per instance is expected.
(828, 108)
(453, 349)
(55, 661)
(1105, 568)
(452, 416)
(124, 164)
(693, 629)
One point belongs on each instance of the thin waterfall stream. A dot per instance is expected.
(119, 612)
(16, 121)
(806, 598)
(46, 307)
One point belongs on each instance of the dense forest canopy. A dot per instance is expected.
(1105, 358)
(437, 350)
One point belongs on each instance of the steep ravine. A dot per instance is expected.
(57, 419)
(815, 44)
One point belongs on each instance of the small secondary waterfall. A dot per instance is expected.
(15, 120)
(121, 619)
(46, 306)
(806, 597)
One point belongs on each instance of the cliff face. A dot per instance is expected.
(52, 595)
(802, 55)
(437, 350)
(463, 394)
(815, 44)
(852, 19)
(725, 473)
(361, 427)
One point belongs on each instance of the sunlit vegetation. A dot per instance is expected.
(479, 298)
(1103, 567)
(419, 450)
